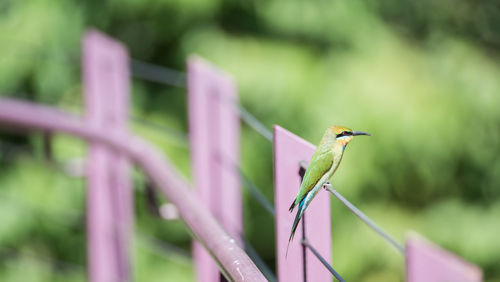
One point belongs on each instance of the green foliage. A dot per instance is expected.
(421, 76)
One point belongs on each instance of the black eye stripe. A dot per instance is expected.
(344, 133)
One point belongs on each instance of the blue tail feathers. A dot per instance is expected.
(300, 212)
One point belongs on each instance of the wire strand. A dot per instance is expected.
(365, 219)
(162, 248)
(158, 74)
(254, 123)
(252, 253)
(171, 77)
(179, 137)
(256, 193)
(306, 243)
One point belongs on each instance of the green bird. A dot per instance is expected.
(323, 164)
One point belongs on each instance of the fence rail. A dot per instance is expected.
(232, 260)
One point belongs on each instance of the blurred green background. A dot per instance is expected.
(421, 76)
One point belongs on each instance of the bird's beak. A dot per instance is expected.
(360, 133)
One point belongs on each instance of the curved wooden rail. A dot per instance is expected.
(232, 260)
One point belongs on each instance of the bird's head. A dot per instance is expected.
(344, 135)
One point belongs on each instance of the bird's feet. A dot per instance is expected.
(326, 185)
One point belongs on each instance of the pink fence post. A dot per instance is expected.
(289, 150)
(214, 131)
(109, 191)
(426, 262)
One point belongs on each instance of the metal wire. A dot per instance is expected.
(178, 136)
(163, 248)
(139, 68)
(254, 123)
(360, 214)
(171, 77)
(366, 219)
(158, 74)
(304, 257)
(306, 243)
(252, 253)
(255, 192)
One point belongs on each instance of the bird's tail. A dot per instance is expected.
(292, 206)
(300, 213)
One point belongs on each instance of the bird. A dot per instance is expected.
(324, 162)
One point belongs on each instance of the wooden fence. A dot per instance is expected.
(212, 207)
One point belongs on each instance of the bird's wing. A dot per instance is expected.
(320, 164)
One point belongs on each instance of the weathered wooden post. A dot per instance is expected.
(109, 191)
(426, 262)
(289, 151)
(214, 132)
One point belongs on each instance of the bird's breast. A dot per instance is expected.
(338, 152)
